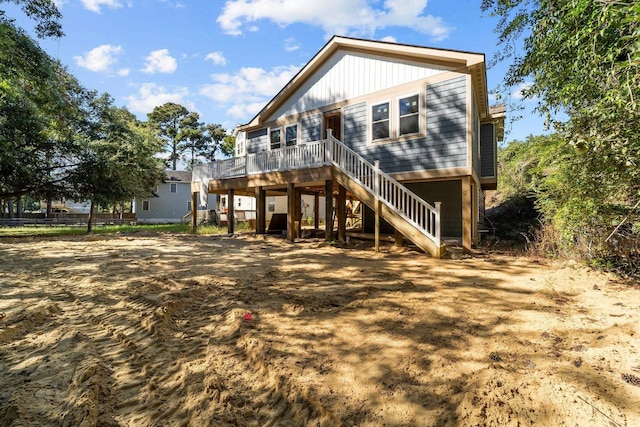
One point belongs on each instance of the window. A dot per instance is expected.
(174, 187)
(276, 138)
(239, 202)
(291, 135)
(271, 204)
(380, 121)
(189, 206)
(145, 205)
(409, 109)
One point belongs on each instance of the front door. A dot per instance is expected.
(333, 121)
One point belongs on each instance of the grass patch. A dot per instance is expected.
(44, 231)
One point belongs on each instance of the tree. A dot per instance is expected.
(228, 146)
(118, 160)
(192, 137)
(44, 12)
(167, 120)
(582, 58)
(39, 106)
(214, 140)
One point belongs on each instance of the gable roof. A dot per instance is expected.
(455, 59)
(178, 176)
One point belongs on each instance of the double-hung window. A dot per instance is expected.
(174, 187)
(291, 135)
(276, 138)
(380, 122)
(409, 112)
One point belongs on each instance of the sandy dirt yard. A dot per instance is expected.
(181, 330)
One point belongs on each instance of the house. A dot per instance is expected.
(171, 202)
(405, 130)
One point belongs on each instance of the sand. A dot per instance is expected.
(181, 330)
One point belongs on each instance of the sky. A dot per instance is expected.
(227, 59)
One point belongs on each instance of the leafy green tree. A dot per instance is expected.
(118, 160)
(44, 12)
(192, 137)
(39, 106)
(167, 120)
(583, 59)
(213, 142)
(228, 145)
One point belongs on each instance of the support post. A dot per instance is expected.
(376, 186)
(341, 206)
(466, 214)
(316, 211)
(328, 188)
(194, 210)
(261, 211)
(298, 208)
(231, 223)
(291, 212)
(399, 239)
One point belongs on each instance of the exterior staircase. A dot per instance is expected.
(408, 213)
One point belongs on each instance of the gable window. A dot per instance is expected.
(380, 121)
(291, 135)
(174, 187)
(409, 111)
(145, 205)
(276, 138)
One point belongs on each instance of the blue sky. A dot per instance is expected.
(226, 60)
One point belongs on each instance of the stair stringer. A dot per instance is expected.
(410, 231)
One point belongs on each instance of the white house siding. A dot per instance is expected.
(347, 75)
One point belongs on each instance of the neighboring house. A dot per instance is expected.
(406, 130)
(171, 201)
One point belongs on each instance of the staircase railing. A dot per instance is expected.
(412, 208)
(405, 203)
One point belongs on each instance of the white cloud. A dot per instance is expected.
(123, 72)
(99, 58)
(95, 5)
(217, 58)
(349, 17)
(159, 61)
(389, 39)
(249, 89)
(151, 95)
(291, 44)
(518, 91)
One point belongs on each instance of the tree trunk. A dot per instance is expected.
(19, 207)
(91, 215)
(49, 200)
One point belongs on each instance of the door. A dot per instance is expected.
(333, 121)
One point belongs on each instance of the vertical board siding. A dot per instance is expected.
(347, 75)
(487, 150)
(475, 141)
(445, 145)
(311, 128)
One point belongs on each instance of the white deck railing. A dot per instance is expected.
(415, 210)
(405, 203)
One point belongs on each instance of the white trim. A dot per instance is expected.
(420, 120)
(370, 107)
(273, 129)
(297, 125)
